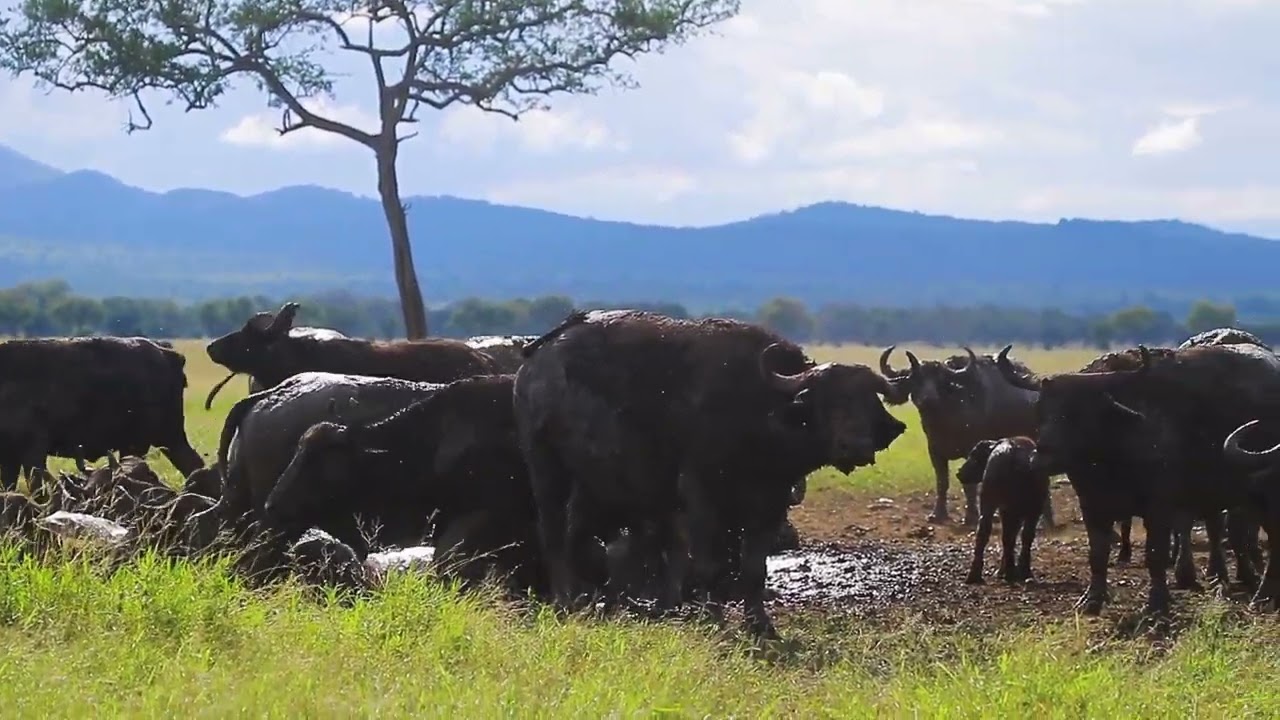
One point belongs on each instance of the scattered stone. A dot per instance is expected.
(883, 503)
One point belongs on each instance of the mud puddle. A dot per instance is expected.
(862, 575)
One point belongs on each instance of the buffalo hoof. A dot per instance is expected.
(1090, 604)
(1123, 559)
(939, 515)
(974, 578)
(1157, 604)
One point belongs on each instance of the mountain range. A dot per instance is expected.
(107, 238)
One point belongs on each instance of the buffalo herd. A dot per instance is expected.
(629, 456)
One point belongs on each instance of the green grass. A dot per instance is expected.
(156, 638)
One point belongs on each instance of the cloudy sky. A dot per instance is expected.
(978, 108)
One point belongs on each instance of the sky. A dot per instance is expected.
(1002, 109)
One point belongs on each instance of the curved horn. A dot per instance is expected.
(887, 370)
(915, 362)
(1232, 450)
(208, 401)
(785, 383)
(968, 365)
(1011, 375)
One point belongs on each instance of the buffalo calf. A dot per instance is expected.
(1010, 484)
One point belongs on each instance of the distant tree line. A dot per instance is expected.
(50, 308)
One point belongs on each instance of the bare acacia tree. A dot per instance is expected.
(501, 56)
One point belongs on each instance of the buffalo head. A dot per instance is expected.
(245, 350)
(975, 463)
(933, 382)
(838, 409)
(324, 472)
(1077, 413)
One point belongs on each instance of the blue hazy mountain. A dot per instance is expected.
(107, 238)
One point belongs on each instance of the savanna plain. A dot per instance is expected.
(167, 638)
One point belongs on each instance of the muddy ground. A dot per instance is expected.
(871, 558)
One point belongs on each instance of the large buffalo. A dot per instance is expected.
(701, 428)
(453, 455)
(962, 401)
(265, 349)
(86, 397)
(1144, 437)
(261, 431)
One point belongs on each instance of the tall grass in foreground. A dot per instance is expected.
(162, 639)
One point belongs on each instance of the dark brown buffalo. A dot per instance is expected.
(507, 351)
(963, 400)
(451, 455)
(1263, 468)
(86, 397)
(264, 349)
(317, 334)
(1144, 438)
(632, 419)
(1009, 484)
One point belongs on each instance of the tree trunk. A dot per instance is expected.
(415, 313)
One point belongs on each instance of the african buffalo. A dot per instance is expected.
(261, 431)
(452, 454)
(629, 418)
(317, 334)
(90, 396)
(264, 349)
(963, 400)
(1008, 484)
(1263, 468)
(1140, 433)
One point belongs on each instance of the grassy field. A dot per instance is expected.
(156, 639)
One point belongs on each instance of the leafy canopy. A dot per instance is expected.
(501, 56)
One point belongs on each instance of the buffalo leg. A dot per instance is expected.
(1242, 534)
(1184, 569)
(1047, 520)
(183, 457)
(581, 530)
(551, 487)
(1024, 553)
(753, 575)
(1125, 556)
(1268, 592)
(706, 537)
(980, 540)
(942, 482)
(1158, 563)
(1214, 527)
(1096, 595)
(1008, 543)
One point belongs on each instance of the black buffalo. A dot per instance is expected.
(264, 349)
(630, 418)
(962, 401)
(1143, 437)
(86, 397)
(261, 431)
(452, 455)
(316, 334)
(1008, 483)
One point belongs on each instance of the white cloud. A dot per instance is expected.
(1169, 137)
(539, 131)
(985, 108)
(261, 129)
